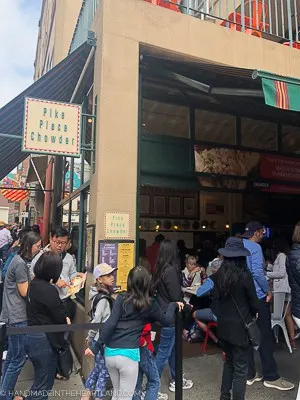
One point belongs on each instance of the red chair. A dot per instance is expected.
(208, 327)
(259, 10)
(204, 346)
(165, 4)
(296, 45)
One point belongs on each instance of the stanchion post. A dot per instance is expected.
(178, 356)
(2, 343)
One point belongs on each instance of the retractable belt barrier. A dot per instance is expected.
(8, 331)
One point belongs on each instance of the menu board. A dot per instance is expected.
(120, 255)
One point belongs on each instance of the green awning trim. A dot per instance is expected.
(280, 91)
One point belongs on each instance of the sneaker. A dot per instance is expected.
(186, 384)
(279, 384)
(297, 336)
(162, 396)
(257, 378)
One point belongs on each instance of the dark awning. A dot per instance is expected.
(58, 85)
(37, 169)
(226, 83)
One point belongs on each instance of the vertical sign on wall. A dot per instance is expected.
(118, 254)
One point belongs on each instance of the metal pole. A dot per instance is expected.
(178, 357)
(37, 174)
(290, 27)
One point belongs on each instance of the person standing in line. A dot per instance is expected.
(293, 270)
(59, 239)
(44, 307)
(253, 235)
(122, 331)
(14, 311)
(234, 297)
(166, 284)
(152, 251)
(279, 278)
(5, 241)
(101, 306)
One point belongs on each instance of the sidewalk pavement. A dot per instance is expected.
(71, 389)
(206, 372)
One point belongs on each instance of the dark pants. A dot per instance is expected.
(148, 367)
(44, 361)
(13, 364)
(269, 367)
(70, 308)
(234, 372)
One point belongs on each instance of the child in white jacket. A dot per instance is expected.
(101, 307)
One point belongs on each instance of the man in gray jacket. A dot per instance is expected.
(59, 239)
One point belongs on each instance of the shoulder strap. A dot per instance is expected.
(99, 297)
(239, 311)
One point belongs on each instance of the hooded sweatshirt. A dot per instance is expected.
(102, 311)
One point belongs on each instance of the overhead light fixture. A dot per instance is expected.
(175, 227)
(227, 226)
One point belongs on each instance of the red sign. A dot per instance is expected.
(280, 168)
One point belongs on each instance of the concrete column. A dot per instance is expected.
(114, 185)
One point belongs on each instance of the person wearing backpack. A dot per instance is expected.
(101, 306)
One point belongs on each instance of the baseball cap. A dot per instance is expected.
(103, 269)
(251, 228)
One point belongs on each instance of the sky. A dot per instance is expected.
(18, 39)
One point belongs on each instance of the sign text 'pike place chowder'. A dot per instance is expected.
(52, 128)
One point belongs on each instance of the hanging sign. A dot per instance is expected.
(117, 225)
(52, 127)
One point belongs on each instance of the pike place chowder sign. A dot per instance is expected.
(52, 127)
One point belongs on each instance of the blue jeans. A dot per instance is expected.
(13, 364)
(97, 379)
(166, 350)
(205, 315)
(44, 361)
(148, 367)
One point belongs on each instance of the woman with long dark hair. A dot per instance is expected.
(44, 307)
(166, 284)
(14, 310)
(122, 331)
(234, 295)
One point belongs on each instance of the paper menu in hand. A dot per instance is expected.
(76, 285)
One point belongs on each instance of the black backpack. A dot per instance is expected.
(96, 300)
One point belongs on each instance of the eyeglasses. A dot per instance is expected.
(58, 243)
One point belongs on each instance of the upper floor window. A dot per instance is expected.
(165, 119)
(214, 127)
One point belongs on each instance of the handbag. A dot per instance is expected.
(252, 329)
(65, 361)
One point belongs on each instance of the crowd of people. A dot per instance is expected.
(232, 288)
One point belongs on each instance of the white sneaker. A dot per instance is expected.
(186, 384)
(162, 396)
(257, 378)
(4, 355)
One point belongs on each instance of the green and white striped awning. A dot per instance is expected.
(280, 91)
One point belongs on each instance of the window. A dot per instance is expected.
(259, 134)
(214, 127)
(291, 139)
(165, 119)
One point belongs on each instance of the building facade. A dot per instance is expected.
(169, 80)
